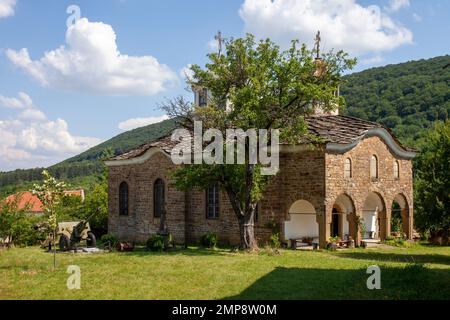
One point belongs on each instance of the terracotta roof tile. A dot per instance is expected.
(27, 198)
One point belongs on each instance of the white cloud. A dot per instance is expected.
(344, 24)
(22, 101)
(7, 8)
(91, 62)
(32, 115)
(395, 5)
(30, 139)
(186, 72)
(140, 122)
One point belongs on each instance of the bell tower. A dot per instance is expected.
(321, 68)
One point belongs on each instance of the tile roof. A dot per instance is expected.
(327, 128)
(27, 198)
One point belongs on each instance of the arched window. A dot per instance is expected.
(374, 167)
(212, 202)
(396, 170)
(158, 198)
(123, 199)
(348, 168)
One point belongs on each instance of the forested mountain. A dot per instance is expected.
(406, 97)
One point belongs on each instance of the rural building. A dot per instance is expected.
(359, 170)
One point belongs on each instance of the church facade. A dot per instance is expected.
(360, 175)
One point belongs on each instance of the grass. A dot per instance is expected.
(420, 272)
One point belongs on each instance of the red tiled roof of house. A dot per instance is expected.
(27, 198)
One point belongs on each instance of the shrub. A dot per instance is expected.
(275, 240)
(112, 239)
(209, 240)
(156, 243)
(398, 242)
(275, 237)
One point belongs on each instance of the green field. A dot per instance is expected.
(420, 272)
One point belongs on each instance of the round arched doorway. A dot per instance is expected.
(301, 222)
(373, 210)
(400, 217)
(340, 220)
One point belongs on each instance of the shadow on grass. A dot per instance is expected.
(412, 282)
(396, 257)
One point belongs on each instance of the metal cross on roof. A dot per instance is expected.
(219, 39)
(317, 44)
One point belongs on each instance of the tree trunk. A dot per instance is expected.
(246, 224)
(247, 232)
(54, 249)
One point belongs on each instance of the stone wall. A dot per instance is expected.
(360, 185)
(140, 222)
(306, 174)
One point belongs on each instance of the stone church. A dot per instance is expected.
(360, 174)
(360, 170)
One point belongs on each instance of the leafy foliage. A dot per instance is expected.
(110, 238)
(155, 243)
(432, 197)
(50, 192)
(209, 240)
(15, 226)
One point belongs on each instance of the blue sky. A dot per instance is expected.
(71, 89)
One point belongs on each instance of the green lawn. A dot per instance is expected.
(421, 272)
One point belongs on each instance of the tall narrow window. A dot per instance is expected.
(348, 168)
(203, 97)
(158, 198)
(374, 167)
(212, 202)
(123, 199)
(396, 169)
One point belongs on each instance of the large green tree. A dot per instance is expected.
(13, 220)
(265, 88)
(432, 192)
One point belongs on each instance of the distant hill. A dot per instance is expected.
(406, 97)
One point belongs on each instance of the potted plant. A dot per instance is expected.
(333, 242)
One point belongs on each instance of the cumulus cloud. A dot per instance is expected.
(30, 139)
(395, 5)
(91, 62)
(344, 24)
(140, 122)
(7, 8)
(22, 101)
